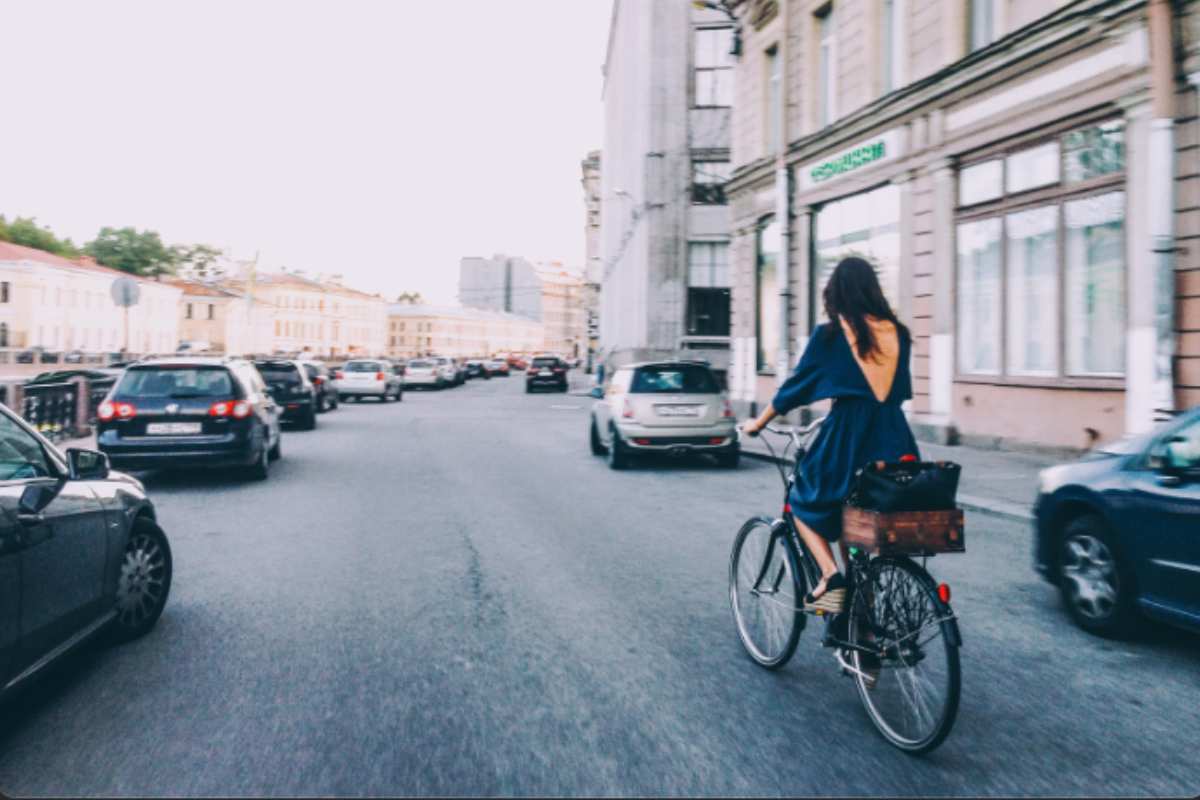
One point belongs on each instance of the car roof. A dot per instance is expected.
(187, 361)
(676, 362)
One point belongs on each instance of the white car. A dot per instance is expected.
(424, 372)
(369, 377)
(447, 369)
(671, 407)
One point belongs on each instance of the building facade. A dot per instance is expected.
(421, 330)
(228, 321)
(593, 267)
(62, 304)
(1001, 163)
(664, 271)
(564, 318)
(500, 283)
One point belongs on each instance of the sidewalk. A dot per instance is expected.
(992, 481)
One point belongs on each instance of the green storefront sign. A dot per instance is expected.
(847, 162)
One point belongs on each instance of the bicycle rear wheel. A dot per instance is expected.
(897, 614)
(765, 588)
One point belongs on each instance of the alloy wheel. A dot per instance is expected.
(142, 584)
(1090, 571)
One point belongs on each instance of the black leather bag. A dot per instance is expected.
(906, 486)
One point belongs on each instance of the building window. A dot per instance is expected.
(708, 289)
(4, 332)
(188, 312)
(981, 24)
(774, 115)
(713, 67)
(766, 322)
(1041, 264)
(708, 182)
(865, 225)
(892, 51)
(210, 311)
(3, 291)
(826, 67)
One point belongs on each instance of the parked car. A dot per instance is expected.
(546, 371)
(369, 377)
(324, 383)
(476, 368)
(73, 357)
(190, 411)
(293, 390)
(37, 355)
(518, 362)
(424, 372)
(497, 366)
(1118, 531)
(672, 407)
(81, 553)
(447, 369)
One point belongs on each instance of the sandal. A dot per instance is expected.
(831, 599)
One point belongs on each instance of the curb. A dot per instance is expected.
(1014, 512)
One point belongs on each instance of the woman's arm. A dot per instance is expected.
(753, 426)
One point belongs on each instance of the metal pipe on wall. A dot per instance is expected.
(1161, 164)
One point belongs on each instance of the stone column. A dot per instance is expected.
(802, 273)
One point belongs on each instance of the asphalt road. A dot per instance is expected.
(449, 595)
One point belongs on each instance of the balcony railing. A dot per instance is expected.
(51, 408)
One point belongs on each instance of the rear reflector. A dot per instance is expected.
(641, 441)
(944, 592)
(907, 458)
(716, 440)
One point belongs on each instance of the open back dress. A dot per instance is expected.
(859, 429)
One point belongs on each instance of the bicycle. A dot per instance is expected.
(893, 615)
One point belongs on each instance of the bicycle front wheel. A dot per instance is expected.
(906, 657)
(765, 592)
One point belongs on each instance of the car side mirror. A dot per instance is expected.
(86, 465)
(596, 393)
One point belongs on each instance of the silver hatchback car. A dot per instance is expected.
(670, 407)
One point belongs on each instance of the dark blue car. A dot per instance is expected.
(1118, 531)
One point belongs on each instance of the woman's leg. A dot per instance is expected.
(818, 545)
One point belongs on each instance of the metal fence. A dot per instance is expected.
(51, 408)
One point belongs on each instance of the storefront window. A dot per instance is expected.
(865, 225)
(981, 182)
(1032, 241)
(1095, 299)
(1029, 169)
(1094, 152)
(979, 297)
(767, 323)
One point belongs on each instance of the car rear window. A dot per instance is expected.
(279, 373)
(176, 382)
(363, 366)
(420, 364)
(545, 362)
(674, 380)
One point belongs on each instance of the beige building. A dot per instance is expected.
(320, 317)
(228, 321)
(418, 330)
(1002, 164)
(564, 318)
(593, 270)
(61, 305)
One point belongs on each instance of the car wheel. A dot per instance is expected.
(598, 448)
(143, 583)
(262, 466)
(730, 458)
(1096, 583)
(276, 452)
(400, 395)
(310, 420)
(617, 458)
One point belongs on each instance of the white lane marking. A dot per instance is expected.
(566, 408)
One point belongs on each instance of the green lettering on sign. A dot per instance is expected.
(847, 162)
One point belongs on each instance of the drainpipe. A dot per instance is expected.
(1161, 228)
(783, 211)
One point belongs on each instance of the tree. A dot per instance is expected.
(411, 298)
(25, 231)
(199, 262)
(138, 253)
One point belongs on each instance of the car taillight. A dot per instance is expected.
(239, 409)
(339, 375)
(716, 440)
(379, 376)
(728, 411)
(107, 412)
(318, 380)
(627, 409)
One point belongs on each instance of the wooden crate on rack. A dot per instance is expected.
(904, 532)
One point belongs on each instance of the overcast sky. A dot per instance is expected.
(383, 139)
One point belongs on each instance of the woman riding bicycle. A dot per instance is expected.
(860, 360)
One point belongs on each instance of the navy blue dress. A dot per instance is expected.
(859, 429)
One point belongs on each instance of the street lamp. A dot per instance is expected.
(735, 49)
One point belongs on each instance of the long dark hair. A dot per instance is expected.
(853, 293)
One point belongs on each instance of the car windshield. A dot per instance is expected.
(176, 382)
(674, 380)
(545, 362)
(363, 366)
(279, 373)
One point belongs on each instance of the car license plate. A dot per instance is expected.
(546, 372)
(172, 428)
(678, 411)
